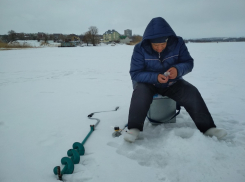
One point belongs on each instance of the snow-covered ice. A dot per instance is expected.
(47, 93)
(35, 43)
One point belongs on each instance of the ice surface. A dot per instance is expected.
(47, 93)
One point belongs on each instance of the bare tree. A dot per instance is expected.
(87, 37)
(12, 35)
(46, 38)
(21, 36)
(94, 35)
(51, 37)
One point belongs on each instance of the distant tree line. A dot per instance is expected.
(203, 40)
(89, 37)
(13, 36)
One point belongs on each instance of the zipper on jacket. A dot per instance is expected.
(159, 55)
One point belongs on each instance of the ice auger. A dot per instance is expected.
(77, 151)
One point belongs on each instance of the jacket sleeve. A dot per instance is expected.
(137, 68)
(185, 61)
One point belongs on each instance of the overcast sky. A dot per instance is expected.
(188, 18)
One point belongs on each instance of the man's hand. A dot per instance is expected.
(162, 79)
(173, 73)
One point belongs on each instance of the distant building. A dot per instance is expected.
(125, 40)
(57, 37)
(128, 33)
(74, 37)
(110, 36)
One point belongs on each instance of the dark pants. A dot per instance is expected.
(184, 93)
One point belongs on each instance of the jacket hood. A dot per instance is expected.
(158, 27)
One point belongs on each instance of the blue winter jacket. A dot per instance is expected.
(147, 64)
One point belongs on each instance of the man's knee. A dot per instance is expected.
(191, 89)
(144, 91)
(185, 93)
(188, 88)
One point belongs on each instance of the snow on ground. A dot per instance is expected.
(46, 95)
(35, 43)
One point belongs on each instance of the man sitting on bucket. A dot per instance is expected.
(159, 52)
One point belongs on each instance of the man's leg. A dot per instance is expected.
(140, 104)
(188, 96)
